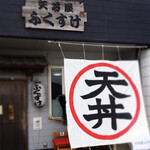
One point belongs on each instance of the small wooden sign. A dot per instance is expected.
(54, 14)
(1, 109)
(11, 111)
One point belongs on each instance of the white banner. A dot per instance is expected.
(104, 102)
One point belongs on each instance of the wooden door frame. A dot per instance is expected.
(15, 79)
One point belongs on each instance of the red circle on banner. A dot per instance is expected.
(71, 102)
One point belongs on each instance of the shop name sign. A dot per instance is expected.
(54, 15)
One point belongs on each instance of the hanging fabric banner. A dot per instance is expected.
(104, 102)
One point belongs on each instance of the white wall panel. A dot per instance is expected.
(145, 72)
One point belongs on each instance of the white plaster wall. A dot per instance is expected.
(145, 74)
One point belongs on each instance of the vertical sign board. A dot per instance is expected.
(104, 102)
(54, 15)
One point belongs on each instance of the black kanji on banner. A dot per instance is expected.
(109, 111)
(103, 110)
(105, 83)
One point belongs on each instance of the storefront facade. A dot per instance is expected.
(110, 30)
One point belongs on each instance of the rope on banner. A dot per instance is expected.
(109, 147)
(61, 50)
(130, 146)
(139, 54)
(83, 50)
(89, 148)
(102, 52)
(118, 52)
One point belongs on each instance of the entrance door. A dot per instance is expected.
(13, 115)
